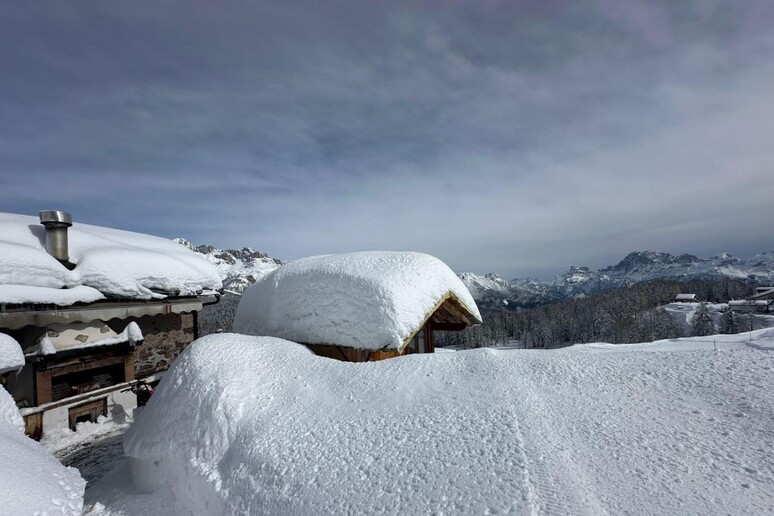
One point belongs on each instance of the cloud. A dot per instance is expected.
(516, 137)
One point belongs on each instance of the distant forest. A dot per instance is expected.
(622, 315)
(220, 317)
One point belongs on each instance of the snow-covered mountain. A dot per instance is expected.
(493, 292)
(238, 268)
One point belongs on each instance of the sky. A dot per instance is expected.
(513, 137)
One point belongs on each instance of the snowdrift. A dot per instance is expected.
(257, 425)
(32, 481)
(11, 355)
(368, 300)
(112, 262)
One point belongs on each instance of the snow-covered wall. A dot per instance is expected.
(367, 300)
(112, 262)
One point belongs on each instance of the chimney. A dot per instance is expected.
(56, 224)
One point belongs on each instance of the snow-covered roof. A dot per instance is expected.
(750, 302)
(11, 355)
(108, 263)
(367, 300)
(763, 293)
(685, 297)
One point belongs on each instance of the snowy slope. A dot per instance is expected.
(257, 425)
(238, 268)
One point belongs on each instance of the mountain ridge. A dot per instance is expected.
(240, 268)
(495, 293)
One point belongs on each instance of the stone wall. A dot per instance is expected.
(165, 337)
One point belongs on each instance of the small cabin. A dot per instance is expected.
(763, 294)
(359, 307)
(751, 306)
(84, 310)
(686, 298)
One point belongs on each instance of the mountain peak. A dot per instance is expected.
(238, 268)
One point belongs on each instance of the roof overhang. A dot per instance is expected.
(448, 313)
(15, 319)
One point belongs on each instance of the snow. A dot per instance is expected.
(368, 300)
(683, 313)
(131, 334)
(116, 263)
(11, 355)
(32, 480)
(257, 425)
(23, 294)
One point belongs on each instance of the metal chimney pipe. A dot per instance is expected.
(56, 224)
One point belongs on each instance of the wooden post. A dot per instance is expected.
(43, 387)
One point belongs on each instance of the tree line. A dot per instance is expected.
(626, 315)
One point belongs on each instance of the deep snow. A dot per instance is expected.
(11, 355)
(368, 300)
(112, 262)
(32, 481)
(246, 424)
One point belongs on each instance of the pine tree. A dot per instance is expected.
(701, 324)
(664, 326)
(729, 323)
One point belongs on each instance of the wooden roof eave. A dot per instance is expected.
(454, 306)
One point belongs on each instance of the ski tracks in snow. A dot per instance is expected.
(643, 432)
(556, 485)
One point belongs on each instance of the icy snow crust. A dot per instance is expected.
(115, 263)
(11, 355)
(369, 300)
(250, 425)
(32, 481)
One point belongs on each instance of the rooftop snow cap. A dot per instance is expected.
(56, 224)
(367, 300)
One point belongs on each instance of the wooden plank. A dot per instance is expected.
(449, 326)
(384, 355)
(84, 366)
(429, 339)
(455, 310)
(93, 409)
(129, 367)
(43, 392)
(33, 425)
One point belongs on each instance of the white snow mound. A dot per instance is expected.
(11, 354)
(116, 263)
(258, 425)
(367, 300)
(32, 481)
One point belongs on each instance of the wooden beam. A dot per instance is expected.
(449, 326)
(85, 366)
(43, 392)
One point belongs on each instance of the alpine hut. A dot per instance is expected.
(84, 310)
(359, 307)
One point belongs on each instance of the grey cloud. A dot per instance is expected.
(508, 136)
